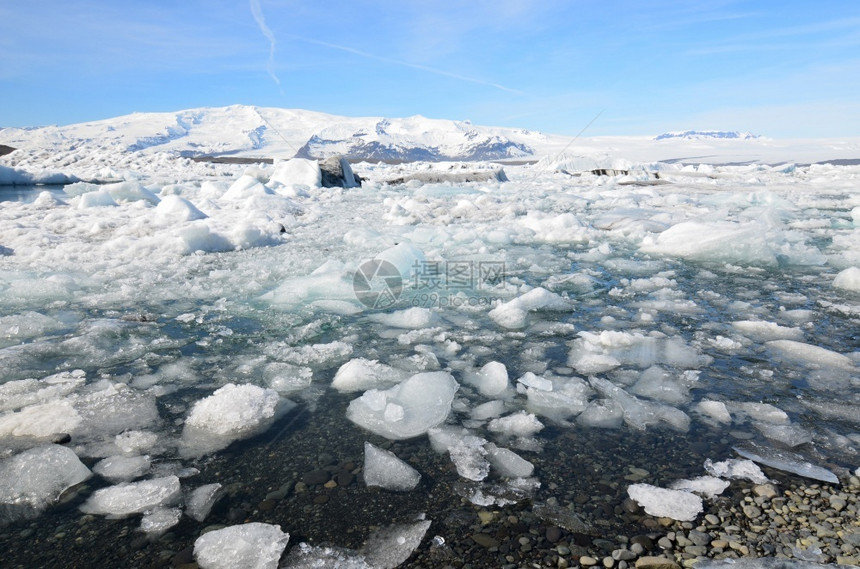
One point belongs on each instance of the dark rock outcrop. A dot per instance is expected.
(337, 173)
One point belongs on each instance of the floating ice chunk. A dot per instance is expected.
(199, 236)
(248, 546)
(707, 486)
(40, 421)
(425, 398)
(849, 279)
(660, 502)
(488, 410)
(727, 242)
(549, 228)
(233, 412)
(565, 398)
(108, 409)
(602, 414)
(529, 379)
(130, 192)
(24, 392)
(768, 563)
(657, 383)
(122, 468)
(789, 435)
(406, 258)
(134, 442)
(519, 424)
(735, 468)
(491, 380)
(763, 331)
(469, 457)
(444, 437)
(389, 547)
(715, 410)
(360, 374)
(413, 318)
(786, 461)
(18, 327)
(304, 556)
(160, 520)
(382, 468)
(174, 209)
(810, 355)
(200, 501)
(514, 313)
(639, 413)
(32, 480)
(99, 198)
(595, 353)
(507, 463)
(764, 412)
(296, 172)
(244, 188)
(134, 497)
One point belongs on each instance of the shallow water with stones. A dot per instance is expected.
(580, 469)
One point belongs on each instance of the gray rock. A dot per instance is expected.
(337, 173)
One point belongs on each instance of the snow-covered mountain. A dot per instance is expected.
(707, 134)
(283, 133)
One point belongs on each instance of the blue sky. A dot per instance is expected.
(781, 69)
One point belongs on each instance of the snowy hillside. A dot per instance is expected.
(148, 145)
(268, 132)
(705, 134)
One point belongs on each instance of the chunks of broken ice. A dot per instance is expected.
(660, 502)
(714, 410)
(361, 374)
(408, 409)
(305, 556)
(810, 355)
(735, 468)
(389, 547)
(199, 502)
(159, 520)
(122, 468)
(411, 318)
(491, 380)
(557, 399)
(639, 413)
(600, 352)
(514, 313)
(30, 481)
(40, 421)
(249, 546)
(707, 486)
(763, 331)
(785, 460)
(659, 384)
(507, 463)
(382, 468)
(465, 449)
(521, 424)
(849, 279)
(488, 410)
(233, 412)
(134, 497)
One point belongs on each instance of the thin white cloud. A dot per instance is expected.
(420, 67)
(257, 13)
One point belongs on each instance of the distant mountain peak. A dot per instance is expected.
(707, 134)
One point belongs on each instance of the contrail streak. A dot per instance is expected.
(257, 12)
(407, 64)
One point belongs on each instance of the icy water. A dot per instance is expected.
(639, 328)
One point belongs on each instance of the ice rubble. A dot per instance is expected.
(708, 486)
(199, 501)
(514, 313)
(248, 546)
(32, 480)
(676, 504)
(158, 520)
(133, 497)
(122, 468)
(360, 374)
(382, 468)
(408, 409)
(849, 279)
(785, 460)
(736, 468)
(231, 413)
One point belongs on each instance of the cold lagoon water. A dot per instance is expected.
(429, 374)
